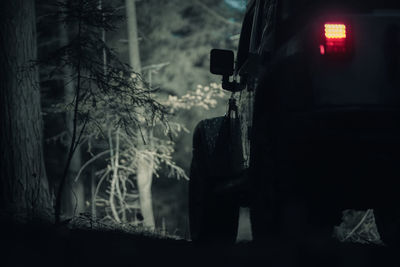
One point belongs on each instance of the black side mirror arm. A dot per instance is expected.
(233, 86)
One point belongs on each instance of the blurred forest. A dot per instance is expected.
(168, 50)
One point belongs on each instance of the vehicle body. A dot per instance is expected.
(318, 85)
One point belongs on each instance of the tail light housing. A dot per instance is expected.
(335, 39)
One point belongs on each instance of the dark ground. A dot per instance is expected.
(48, 245)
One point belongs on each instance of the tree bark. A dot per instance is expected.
(23, 182)
(133, 36)
(145, 169)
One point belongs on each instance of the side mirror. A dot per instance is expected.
(221, 62)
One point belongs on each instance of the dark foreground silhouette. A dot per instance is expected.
(47, 245)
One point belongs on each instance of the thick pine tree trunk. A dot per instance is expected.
(23, 182)
(145, 166)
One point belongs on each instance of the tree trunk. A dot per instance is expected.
(73, 196)
(145, 168)
(23, 182)
(144, 181)
(133, 36)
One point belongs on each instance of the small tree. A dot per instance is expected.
(119, 198)
(103, 100)
(111, 103)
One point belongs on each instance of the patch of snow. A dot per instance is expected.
(358, 227)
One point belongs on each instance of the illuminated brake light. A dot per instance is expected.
(335, 39)
(335, 31)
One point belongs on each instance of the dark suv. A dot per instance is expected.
(317, 125)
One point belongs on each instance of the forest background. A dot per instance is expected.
(174, 38)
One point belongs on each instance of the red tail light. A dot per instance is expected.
(334, 39)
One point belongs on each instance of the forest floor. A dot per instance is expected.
(45, 244)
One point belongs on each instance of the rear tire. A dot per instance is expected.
(213, 217)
